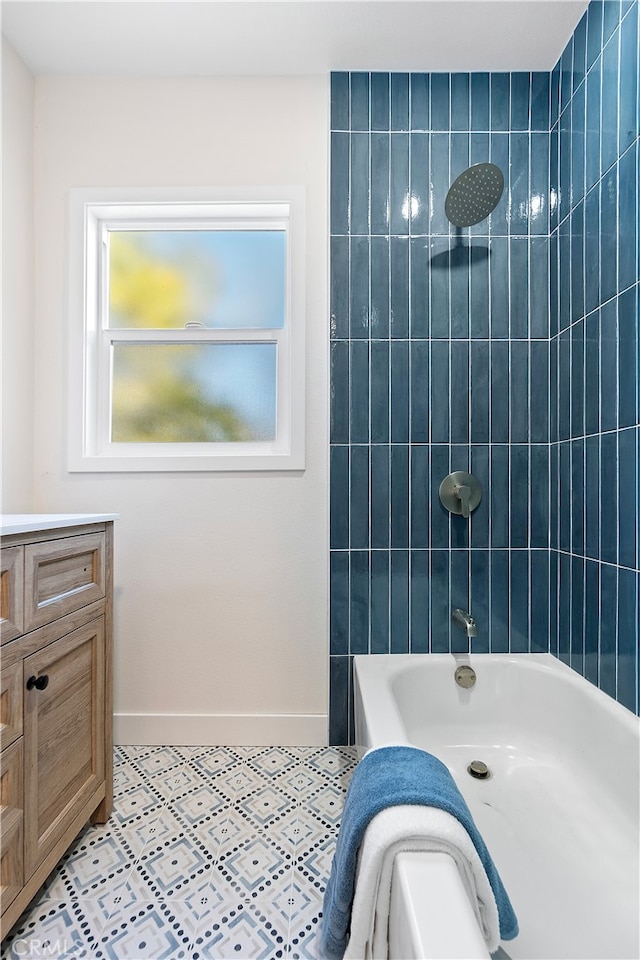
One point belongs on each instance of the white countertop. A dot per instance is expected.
(30, 522)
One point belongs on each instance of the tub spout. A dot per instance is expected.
(464, 620)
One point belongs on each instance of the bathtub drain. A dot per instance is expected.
(479, 770)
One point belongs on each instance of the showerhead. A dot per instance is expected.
(474, 194)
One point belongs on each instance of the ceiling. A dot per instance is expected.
(233, 37)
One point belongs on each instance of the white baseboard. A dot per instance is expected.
(257, 730)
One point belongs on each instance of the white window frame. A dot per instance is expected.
(91, 212)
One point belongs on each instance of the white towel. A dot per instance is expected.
(412, 829)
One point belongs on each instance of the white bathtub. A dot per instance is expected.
(560, 813)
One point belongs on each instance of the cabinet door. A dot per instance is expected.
(11, 592)
(11, 821)
(63, 734)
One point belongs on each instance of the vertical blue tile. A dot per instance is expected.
(459, 524)
(359, 101)
(553, 390)
(592, 250)
(577, 496)
(419, 361)
(380, 269)
(520, 94)
(554, 98)
(459, 597)
(564, 386)
(339, 432)
(554, 318)
(459, 300)
(500, 101)
(480, 516)
(499, 641)
(379, 592)
(479, 101)
(519, 390)
(439, 182)
(564, 274)
(608, 618)
(440, 607)
(519, 185)
(628, 358)
(380, 498)
(539, 592)
(339, 604)
(419, 590)
(564, 608)
(339, 683)
(380, 404)
(627, 651)
(609, 498)
(419, 287)
(594, 31)
(399, 101)
(399, 287)
(539, 505)
(359, 292)
(611, 18)
(578, 122)
(566, 75)
(339, 183)
(479, 599)
(499, 286)
(419, 187)
(358, 601)
(339, 305)
(539, 389)
(339, 101)
(591, 620)
(592, 373)
(380, 189)
(359, 497)
(592, 497)
(627, 497)
(439, 391)
(540, 101)
(577, 379)
(628, 115)
(592, 120)
(439, 101)
(460, 101)
(519, 289)
(399, 640)
(519, 506)
(479, 397)
(380, 101)
(577, 615)
(499, 373)
(579, 52)
(419, 497)
(499, 495)
(564, 164)
(459, 391)
(554, 496)
(399, 196)
(608, 366)
(554, 628)
(609, 142)
(519, 601)
(479, 290)
(419, 86)
(439, 516)
(399, 495)
(499, 154)
(399, 391)
(460, 145)
(359, 208)
(565, 497)
(359, 403)
(539, 184)
(439, 289)
(339, 483)
(628, 218)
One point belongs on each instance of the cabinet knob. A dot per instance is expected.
(40, 683)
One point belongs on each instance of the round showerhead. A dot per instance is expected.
(474, 194)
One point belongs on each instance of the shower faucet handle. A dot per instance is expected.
(463, 492)
(460, 493)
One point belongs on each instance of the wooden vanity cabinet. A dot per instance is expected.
(56, 704)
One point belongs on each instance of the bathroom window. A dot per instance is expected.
(187, 345)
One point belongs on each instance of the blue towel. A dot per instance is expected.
(388, 777)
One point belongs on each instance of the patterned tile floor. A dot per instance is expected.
(211, 852)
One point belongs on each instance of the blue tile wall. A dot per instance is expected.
(509, 349)
(594, 477)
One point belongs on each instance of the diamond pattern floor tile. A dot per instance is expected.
(211, 852)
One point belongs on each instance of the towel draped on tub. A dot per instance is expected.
(409, 778)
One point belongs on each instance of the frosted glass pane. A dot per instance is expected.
(179, 393)
(213, 278)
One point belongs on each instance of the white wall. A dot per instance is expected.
(221, 580)
(17, 283)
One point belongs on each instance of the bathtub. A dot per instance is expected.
(559, 812)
